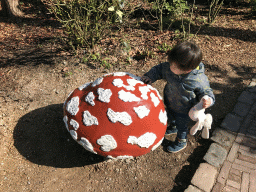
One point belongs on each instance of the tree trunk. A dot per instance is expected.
(10, 8)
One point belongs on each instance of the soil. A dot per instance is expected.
(37, 73)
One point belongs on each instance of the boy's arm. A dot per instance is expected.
(155, 73)
(203, 90)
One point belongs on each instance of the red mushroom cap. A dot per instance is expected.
(116, 116)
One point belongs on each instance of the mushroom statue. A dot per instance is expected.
(116, 116)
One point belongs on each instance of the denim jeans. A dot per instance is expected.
(181, 121)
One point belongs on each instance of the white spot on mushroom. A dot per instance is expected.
(97, 82)
(86, 144)
(89, 120)
(104, 95)
(144, 92)
(127, 96)
(74, 123)
(141, 111)
(133, 82)
(84, 86)
(154, 99)
(65, 119)
(145, 140)
(124, 157)
(107, 143)
(90, 98)
(72, 106)
(119, 83)
(122, 117)
(119, 74)
(157, 145)
(163, 117)
(73, 134)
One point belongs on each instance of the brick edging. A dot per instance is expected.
(221, 156)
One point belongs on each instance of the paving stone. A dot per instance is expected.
(247, 97)
(215, 155)
(192, 188)
(246, 158)
(223, 175)
(249, 142)
(252, 89)
(236, 172)
(246, 123)
(233, 184)
(248, 153)
(232, 122)
(239, 138)
(235, 178)
(230, 189)
(245, 163)
(233, 152)
(253, 110)
(204, 177)
(241, 168)
(252, 186)
(241, 109)
(245, 182)
(223, 137)
(217, 187)
(252, 129)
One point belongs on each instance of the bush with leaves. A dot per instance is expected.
(86, 21)
(167, 10)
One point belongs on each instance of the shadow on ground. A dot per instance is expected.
(41, 137)
(184, 177)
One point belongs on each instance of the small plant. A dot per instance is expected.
(67, 74)
(95, 57)
(164, 47)
(214, 9)
(105, 64)
(84, 59)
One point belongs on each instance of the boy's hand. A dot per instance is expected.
(146, 80)
(206, 103)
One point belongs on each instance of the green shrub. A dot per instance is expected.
(167, 10)
(86, 21)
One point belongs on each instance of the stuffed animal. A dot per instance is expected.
(203, 121)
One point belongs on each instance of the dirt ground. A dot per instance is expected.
(36, 75)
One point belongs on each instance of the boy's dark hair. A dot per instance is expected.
(187, 55)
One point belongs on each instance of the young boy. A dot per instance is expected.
(186, 85)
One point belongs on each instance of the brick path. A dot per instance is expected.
(230, 163)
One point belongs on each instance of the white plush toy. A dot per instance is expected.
(204, 121)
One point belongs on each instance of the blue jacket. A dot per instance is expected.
(182, 91)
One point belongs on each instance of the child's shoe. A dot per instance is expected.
(171, 131)
(177, 145)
